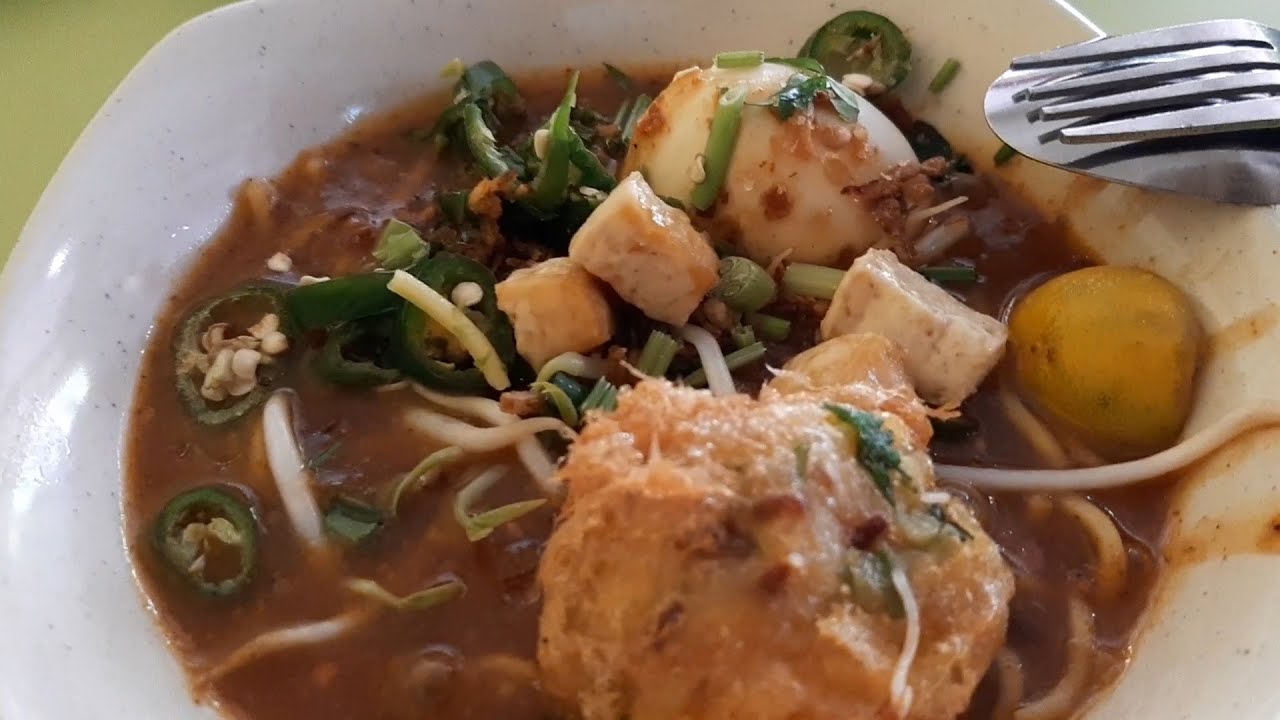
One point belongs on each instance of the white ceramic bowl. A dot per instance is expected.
(239, 91)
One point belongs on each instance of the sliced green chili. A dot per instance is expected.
(483, 145)
(425, 351)
(769, 327)
(453, 204)
(744, 285)
(594, 174)
(736, 360)
(659, 350)
(719, 150)
(352, 520)
(323, 304)
(945, 75)
(552, 183)
(334, 362)
(246, 305)
(208, 536)
(739, 59)
(862, 42)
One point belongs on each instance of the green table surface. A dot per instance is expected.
(59, 59)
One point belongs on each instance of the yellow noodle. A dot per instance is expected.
(1060, 701)
(1108, 547)
(1033, 431)
(1012, 684)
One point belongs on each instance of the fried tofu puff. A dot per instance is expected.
(780, 558)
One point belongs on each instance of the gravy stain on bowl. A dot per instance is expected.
(1244, 331)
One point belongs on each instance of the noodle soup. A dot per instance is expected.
(532, 401)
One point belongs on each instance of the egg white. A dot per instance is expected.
(783, 188)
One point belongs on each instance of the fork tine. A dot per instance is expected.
(1150, 42)
(1165, 95)
(1257, 114)
(1148, 73)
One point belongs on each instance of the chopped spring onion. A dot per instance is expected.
(293, 479)
(659, 351)
(479, 526)
(945, 75)
(743, 336)
(604, 396)
(559, 399)
(551, 185)
(1004, 154)
(744, 285)
(422, 475)
(472, 439)
(950, 273)
(737, 359)
(455, 322)
(351, 520)
(572, 363)
(572, 389)
(739, 59)
(719, 150)
(718, 377)
(769, 327)
(814, 281)
(438, 594)
(399, 246)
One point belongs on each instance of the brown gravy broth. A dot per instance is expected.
(326, 212)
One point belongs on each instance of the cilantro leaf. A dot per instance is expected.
(844, 100)
(876, 452)
(802, 89)
(797, 95)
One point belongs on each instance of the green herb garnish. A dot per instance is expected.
(876, 452)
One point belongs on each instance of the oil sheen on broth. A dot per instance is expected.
(475, 657)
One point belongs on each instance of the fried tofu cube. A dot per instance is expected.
(648, 252)
(949, 346)
(555, 307)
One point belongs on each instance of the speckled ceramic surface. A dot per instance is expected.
(239, 91)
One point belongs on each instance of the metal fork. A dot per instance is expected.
(1192, 109)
